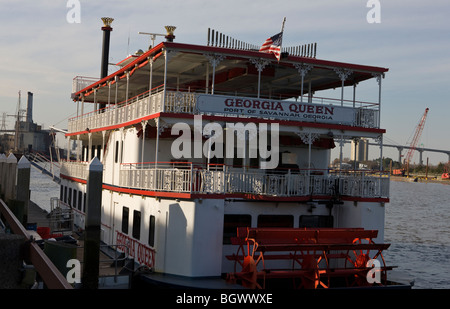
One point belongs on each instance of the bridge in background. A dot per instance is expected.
(420, 150)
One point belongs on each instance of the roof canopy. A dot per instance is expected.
(189, 68)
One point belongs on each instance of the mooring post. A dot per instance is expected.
(23, 185)
(10, 179)
(92, 225)
(2, 173)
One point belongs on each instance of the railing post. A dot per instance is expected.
(193, 178)
(363, 184)
(288, 193)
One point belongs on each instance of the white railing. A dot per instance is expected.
(191, 178)
(176, 102)
(75, 169)
(81, 82)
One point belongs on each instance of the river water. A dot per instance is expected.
(417, 226)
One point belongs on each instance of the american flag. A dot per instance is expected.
(273, 45)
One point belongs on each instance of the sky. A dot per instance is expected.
(46, 43)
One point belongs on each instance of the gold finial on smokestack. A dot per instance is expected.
(107, 21)
(170, 30)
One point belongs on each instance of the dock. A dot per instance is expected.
(22, 223)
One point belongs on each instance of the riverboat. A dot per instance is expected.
(216, 165)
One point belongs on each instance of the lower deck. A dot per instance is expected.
(192, 237)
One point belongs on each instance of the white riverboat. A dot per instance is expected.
(216, 165)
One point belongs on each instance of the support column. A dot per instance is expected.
(260, 65)
(214, 60)
(102, 151)
(166, 60)
(144, 127)
(381, 153)
(420, 156)
(303, 69)
(308, 138)
(68, 149)
(378, 78)
(93, 223)
(343, 75)
(109, 94)
(95, 100)
(150, 83)
(82, 104)
(400, 149)
(89, 151)
(157, 120)
(128, 83)
(79, 149)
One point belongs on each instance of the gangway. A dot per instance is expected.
(45, 164)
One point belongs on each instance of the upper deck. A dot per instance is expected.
(182, 79)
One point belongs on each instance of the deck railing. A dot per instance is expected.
(219, 179)
(366, 114)
(75, 169)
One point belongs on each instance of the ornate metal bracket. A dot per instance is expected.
(303, 68)
(260, 64)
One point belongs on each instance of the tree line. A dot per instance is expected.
(389, 163)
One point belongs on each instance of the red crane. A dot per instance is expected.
(416, 137)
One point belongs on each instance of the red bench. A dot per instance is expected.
(310, 252)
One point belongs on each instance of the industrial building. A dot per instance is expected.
(31, 136)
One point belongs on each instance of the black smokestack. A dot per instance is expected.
(105, 48)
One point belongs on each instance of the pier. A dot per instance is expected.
(35, 251)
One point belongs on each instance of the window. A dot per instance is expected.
(136, 224)
(74, 198)
(125, 212)
(69, 198)
(80, 196)
(231, 223)
(116, 154)
(65, 194)
(84, 203)
(151, 232)
(315, 221)
(61, 193)
(275, 221)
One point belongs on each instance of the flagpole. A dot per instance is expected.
(281, 41)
